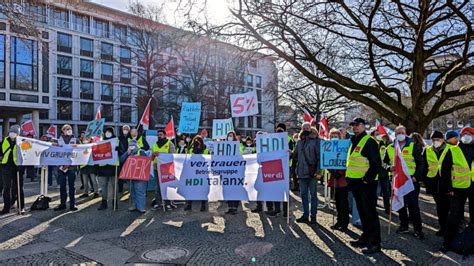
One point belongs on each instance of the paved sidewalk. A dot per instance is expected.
(106, 237)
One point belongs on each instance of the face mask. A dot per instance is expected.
(466, 139)
(437, 144)
(379, 137)
(12, 135)
(306, 133)
(108, 134)
(230, 138)
(125, 132)
(401, 137)
(69, 132)
(279, 130)
(188, 139)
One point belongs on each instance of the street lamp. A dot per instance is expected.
(449, 124)
(460, 124)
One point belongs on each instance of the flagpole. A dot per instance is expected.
(115, 189)
(390, 214)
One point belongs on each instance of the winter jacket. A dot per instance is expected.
(306, 154)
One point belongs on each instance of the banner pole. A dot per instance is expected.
(46, 170)
(334, 214)
(390, 214)
(115, 189)
(18, 201)
(288, 210)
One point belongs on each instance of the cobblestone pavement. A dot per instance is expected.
(106, 237)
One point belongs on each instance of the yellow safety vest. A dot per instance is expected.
(357, 165)
(443, 154)
(164, 149)
(6, 151)
(461, 175)
(139, 141)
(434, 163)
(206, 151)
(407, 154)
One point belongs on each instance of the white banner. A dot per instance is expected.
(244, 104)
(262, 177)
(220, 128)
(36, 152)
(272, 142)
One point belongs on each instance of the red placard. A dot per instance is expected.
(272, 171)
(167, 172)
(136, 168)
(102, 151)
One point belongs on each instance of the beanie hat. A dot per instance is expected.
(282, 126)
(437, 135)
(451, 134)
(14, 129)
(467, 130)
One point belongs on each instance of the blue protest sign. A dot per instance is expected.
(189, 118)
(334, 154)
(95, 128)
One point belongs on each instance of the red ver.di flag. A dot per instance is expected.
(244, 104)
(145, 121)
(169, 129)
(136, 168)
(402, 182)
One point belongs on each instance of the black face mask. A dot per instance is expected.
(306, 133)
(279, 130)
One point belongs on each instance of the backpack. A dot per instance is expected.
(41, 203)
(463, 244)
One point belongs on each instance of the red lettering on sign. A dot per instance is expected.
(272, 171)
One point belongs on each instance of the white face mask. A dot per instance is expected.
(230, 138)
(437, 144)
(188, 139)
(466, 139)
(69, 132)
(108, 134)
(401, 137)
(12, 135)
(125, 132)
(379, 137)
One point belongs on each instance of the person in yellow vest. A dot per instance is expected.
(142, 143)
(106, 176)
(197, 147)
(458, 168)
(9, 167)
(412, 154)
(383, 177)
(182, 148)
(162, 145)
(363, 165)
(432, 159)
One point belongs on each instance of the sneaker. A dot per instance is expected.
(256, 210)
(156, 207)
(60, 207)
(85, 195)
(23, 211)
(402, 230)
(371, 249)
(96, 195)
(419, 235)
(73, 208)
(302, 219)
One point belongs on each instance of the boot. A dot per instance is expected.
(103, 205)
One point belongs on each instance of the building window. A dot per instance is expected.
(45, 67)
(23, 64)
(87, 90)
(64, 88)
(125, 75)
(120, 33)
(87, 69)
(61, 18)
(125, 94)
(259, 122)
(108, 112)
(106, 93)
(250, 122)
(107, 72)
(87, 47)
(259, 95)
(125, 55)
(64, 110)
(64, 42)
(81, 22)
(249, 80)
(106, 51)
(142, 77)
(141, 58)
(2, 61)
(241, 122)
(101, 28)
(258, 81)
(125, 114)
(87, 111)
(44, 115)
(64, 65)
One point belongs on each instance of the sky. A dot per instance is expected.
(217, 9)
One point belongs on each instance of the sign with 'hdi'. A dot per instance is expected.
(226, 148)
(220, 128)
(272, 142)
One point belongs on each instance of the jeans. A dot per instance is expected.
(68, 179)
(138, 194)
(365, 196)
(89, 179)
(308, 189)
(105, 182)
(355, 213)
(411, 203)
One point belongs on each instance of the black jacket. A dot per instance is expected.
(371, 152)
(10, 163)
(447, 164)
(432, 184)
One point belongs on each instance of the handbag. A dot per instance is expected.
(41, 203)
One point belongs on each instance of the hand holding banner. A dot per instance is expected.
(244, 104)
(220, 128)
(95, 128)
(189, 118)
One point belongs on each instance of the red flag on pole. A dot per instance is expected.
(28, 128)
(380, 128)
(402, 182)
(169, 129)
(323, 128)
(98, 115)
(307, 117)
(145, 121)
(52, 131)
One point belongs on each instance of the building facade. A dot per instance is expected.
(80, 62)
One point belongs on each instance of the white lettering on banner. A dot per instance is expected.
(36, 152)
(272, 142)
(226, 147)
(253, 177)
(220, 128)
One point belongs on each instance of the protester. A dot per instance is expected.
(306, 156)
(162, 145)
(182, 148)
(295, 185)
(232, 205)
(337, 180)
(432, 155)
(363, 165)
(9, 168)
(418, 139)
(137, 187)
(122, 149)
(198, 147)
(141, 141)
(457, 174)
(106, 176)
(248, 146)
(67, 173)
(383, 177)
(412, 154)
(89, 174)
